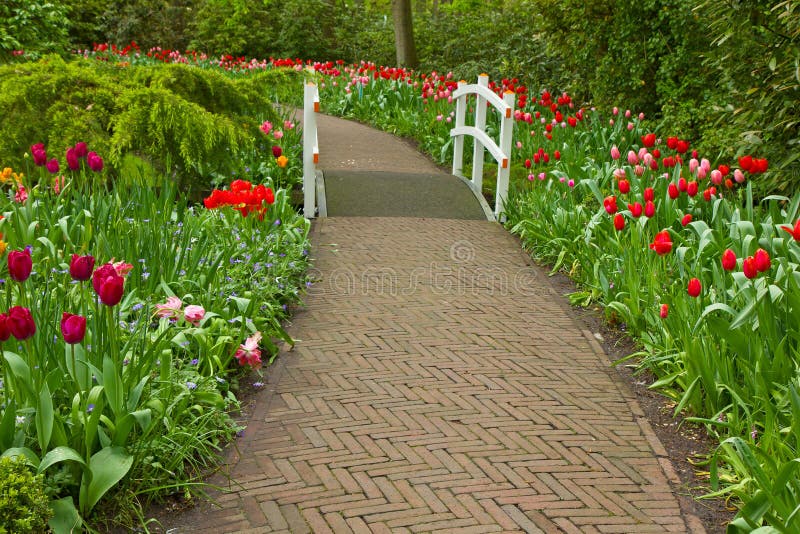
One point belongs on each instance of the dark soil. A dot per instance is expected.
(686, 443)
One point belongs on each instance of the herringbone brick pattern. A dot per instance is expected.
(437, 384)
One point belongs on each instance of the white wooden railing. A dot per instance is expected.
(501, 153)
(310, 149)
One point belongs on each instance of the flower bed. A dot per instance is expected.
(127, 314)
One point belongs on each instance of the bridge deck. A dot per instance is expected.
(438, 384)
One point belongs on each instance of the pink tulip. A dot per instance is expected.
(194, 314)
(615, 152)
(633, 159)
(169, 309)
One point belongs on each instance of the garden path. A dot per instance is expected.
(438, 384)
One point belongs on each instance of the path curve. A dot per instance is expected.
(438, 383)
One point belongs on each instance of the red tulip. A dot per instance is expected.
(694, 288)
(686, 219)
(624, 186)
(20, 322)
(683, 185)
(108, 284)
(619, 221)
(610, 204)
(672, 142)
(794, 232)
(20, 264)
(52, 166)
(80, 149)
(673, 191)
(662, 244)
(691, 188)
(728, 260)
(649, 140)
(5, 327)
(527, 163)
(749, 267)
(724, 169)
(94, 161)
(72, 160)
(682, 146)
(664, 311)
(656, 153)
(763, 262)
(73, 328)
(649, 194)
(635, 209)
(746, 163)
(649, 208)
(80, 267)
(277, 151)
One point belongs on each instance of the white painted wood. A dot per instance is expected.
(506, 134)
(483, 138)
(310, 149)
(480, 124)
(501, 153)
(458, 142)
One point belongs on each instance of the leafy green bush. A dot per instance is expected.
(23, 502)
(34, 26)
(197, 119)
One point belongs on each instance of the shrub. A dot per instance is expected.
(23, 502)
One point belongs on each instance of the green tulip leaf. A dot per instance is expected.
(58, 455)
(107, 466)
(66, 519)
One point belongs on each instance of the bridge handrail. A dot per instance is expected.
(310, 149)
(501, 153)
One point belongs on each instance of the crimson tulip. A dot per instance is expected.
(276, 151)
(20, 264)
(73, 328)
(749, 267)
(763, 262)
(664, 311)
(673, 191)
(619, 221)
(73, 162)
(20, 322)
(686, 219)
(5, 327)
(694, 288)
(624, 186)
(52, 166)
(610, 204)
(681, 146)
(80, 149)
(649, 140)
(662, 244)
(691, 188)
(728, 260)
(94, 161)
(649, 194)
(636, 209)
(80, 267)
(649, 208)
(108, 284)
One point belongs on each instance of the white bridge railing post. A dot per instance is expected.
(501, 153)
(458, 142)
(310, 149)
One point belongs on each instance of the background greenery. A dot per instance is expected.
(725, 74)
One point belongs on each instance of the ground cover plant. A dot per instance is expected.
(142, 277)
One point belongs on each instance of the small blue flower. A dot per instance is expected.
(191, 386)
(277, 222)
(138, 306)
(258, 384)
(194, 361)
(90, 408)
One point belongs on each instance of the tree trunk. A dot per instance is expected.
(404, 34)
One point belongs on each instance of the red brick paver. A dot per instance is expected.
(438, 384)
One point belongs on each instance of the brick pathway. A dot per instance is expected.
(438, 384)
